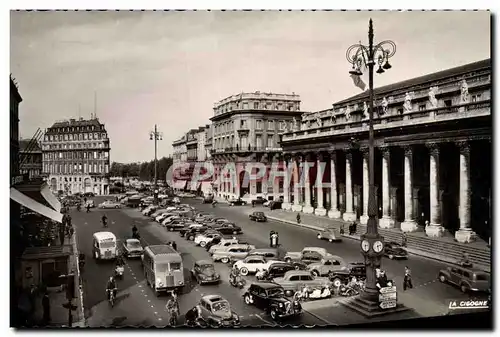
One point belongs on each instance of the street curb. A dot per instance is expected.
(409, 250)
(81, 322)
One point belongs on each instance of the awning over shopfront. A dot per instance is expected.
(206, 187)
(195, 185)
(34, 205)
(50, 197)
(180, 184)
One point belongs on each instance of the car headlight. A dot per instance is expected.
(216, 275)
(159, 282)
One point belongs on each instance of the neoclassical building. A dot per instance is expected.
(432, 162)
(75, 156)
(246, 128)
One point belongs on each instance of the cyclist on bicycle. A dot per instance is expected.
(173, 308)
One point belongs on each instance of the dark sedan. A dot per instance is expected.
(227, 228)
(237, 202)
(258, 216)
(192, 229)
(271, 297)
(177, 225)
(204, 272)
(394, 250)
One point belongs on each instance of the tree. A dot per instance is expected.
(144, 170)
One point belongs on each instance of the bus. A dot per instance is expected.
(163, 269)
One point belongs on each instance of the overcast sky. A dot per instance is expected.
(169, 68)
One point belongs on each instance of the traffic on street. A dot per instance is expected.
(138, 303)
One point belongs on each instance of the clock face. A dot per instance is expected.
(365, 245)
(378, 246)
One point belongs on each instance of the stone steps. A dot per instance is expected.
(438, 247)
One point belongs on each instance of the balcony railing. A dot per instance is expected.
(246, 149)
(468, 110)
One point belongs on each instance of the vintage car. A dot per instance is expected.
(237, 202)
(193, 229)
(251, 264)
(163, 216)
(178, 224)
(158, 212)
(149, 210)
(233, 252)
(216, 312)
(90, 203)
(258, 216)
(276, 269)
(109, 204)
(202, 239)
(294, 280)
(307, 255)
(268, 253)
(170, 218)
(468, 279)
(223, 243)
(327, 265)
(227, 228)
(353, 269)
(204, 272)
(275, 204)
(191, 235)
(394, 250)
(132, 248)
(271, 297)
(330, 233)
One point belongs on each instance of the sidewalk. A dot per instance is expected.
(317, 223)
(59, 315)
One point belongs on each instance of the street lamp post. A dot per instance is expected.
(372, 243)
(156, 136)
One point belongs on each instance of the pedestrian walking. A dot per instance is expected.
(46, 308)
(407, 282)
(298, 218)
(174, 245)
(404, 240)
(342, 229)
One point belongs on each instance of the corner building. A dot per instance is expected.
(76, 156)
(432, 155)
(246, 128)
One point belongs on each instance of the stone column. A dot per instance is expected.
(296, 207)
(465, 233)
(286, 185)
(333, 212)
(434, 229)
(320, 209)
(386, 221)
(366, 187)
(264, 185)
(307, 186)
(409, 224)
(349, 214)
(275, 182)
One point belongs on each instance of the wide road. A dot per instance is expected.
(136, 303)
(429, 297)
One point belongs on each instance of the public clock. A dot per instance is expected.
(378, 246)
(365, 245)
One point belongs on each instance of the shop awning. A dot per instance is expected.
(195, 185)
(34, 205)
(206, 187)
(50, 197)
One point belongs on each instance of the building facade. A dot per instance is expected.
(76, 156)
(246, 128)
(432, 161)
(15, 100)
(30, 154)
(180, 150)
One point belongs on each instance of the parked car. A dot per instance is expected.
(294, 280)
(268, 253)
(307, 255)
(233, 252)
(162, 217)
(109, 204)
(177, 224)
(204, 272)
(237, 202)
(170, 218)
(330, 233)
(216, 312)
(132, 248)
(208, 199)
(203, 239)
(192, 229)
(271, 297)
(90, 203)
(191, 235)
(258, 201)
(149, 210)
(394, 250)
(258, 216)
(467, 279)
(228, 228)
(89, 194)
(251, 264)
(158, 212)
(353, 269)
(223, 243)
(328, 264)
(277, 269)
